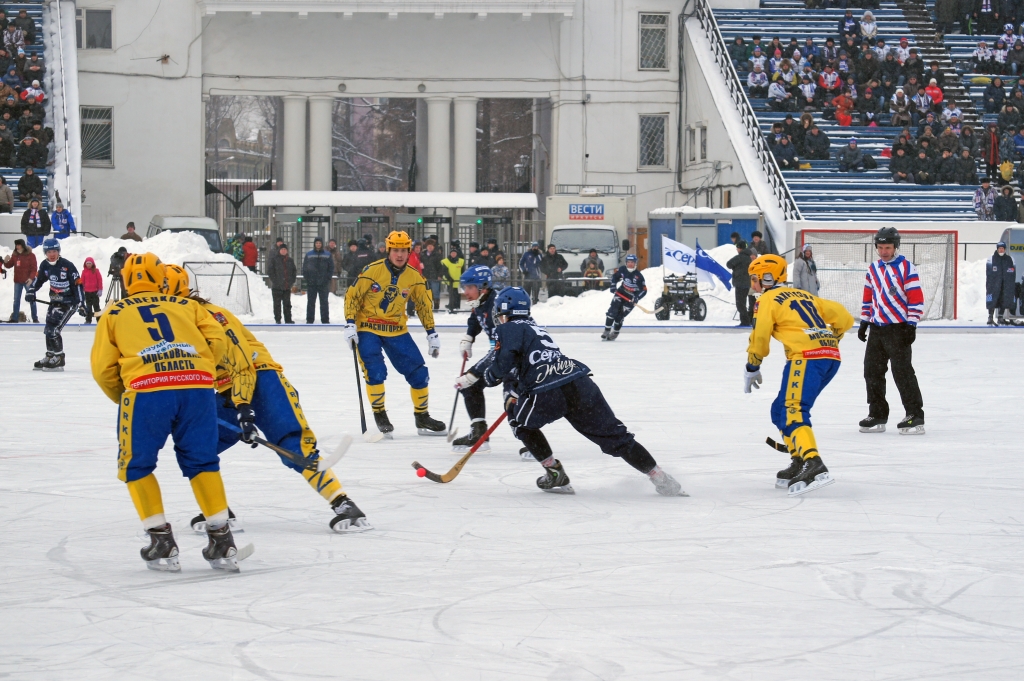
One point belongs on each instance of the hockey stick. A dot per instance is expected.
(310, 464)
(451, 421)
(776, 445)
(457, 468)
(646, 311)
(369, 437)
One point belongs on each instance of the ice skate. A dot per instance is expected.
(613, 334)
(383, 424)
(872, 425)
(38, 366)
(526, 455)
(429, 426)
(604, 334)
(911, 425)
(199, 523)
(347, 516)
(665, 484)
(465, 443)
(991, 321)
(221, 553)
(813, 475)
(785, 476)
(55, 362)
(162, 552)
(555, 480)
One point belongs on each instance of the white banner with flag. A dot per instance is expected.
(677, 257)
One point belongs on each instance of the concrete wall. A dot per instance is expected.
(158, 126)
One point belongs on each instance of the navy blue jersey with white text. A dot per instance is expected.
(528, 359)
(632, 284)
(65, 283)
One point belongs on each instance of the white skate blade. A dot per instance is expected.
(53, 368)
(564, 489)
(424, 431)
(233, 523)
(527, 456)
(352, 526)
(822, 480)
(913, 430)
(451, 436)
(880, 428)
(335, 457)
(781, 483)
(170, 564)
(485, 447)
(370, 436)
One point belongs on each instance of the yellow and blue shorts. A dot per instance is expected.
(802, 382)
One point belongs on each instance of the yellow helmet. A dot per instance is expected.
(177, 281)
(770, 269)
(143, 273)
(398, 240)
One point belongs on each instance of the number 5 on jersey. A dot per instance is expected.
(165, 331)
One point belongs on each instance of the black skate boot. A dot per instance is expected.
(785, 476)
(465, 443)
(348, 517)
(665, 484)
(428, 426)
(813, 475)
(911, 425)
(38, 366)
(555, 480)
(873, 424)
(221, 553)
(55, 363)
(199, 523)
(162, 552)
(991, 321)
(614, 333)
(606, 332)
(383, 424)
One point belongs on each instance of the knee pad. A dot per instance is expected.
(419, 377)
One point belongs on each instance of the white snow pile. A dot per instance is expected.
(170, 247)
(970, 292)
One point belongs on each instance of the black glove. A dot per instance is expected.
(81, 310)
(30, 296)
(862, 332)
(247, 420)
(911, 334)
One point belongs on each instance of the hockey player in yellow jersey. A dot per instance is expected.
(810, 329)
(375, 312)
(254, 392)
(155, 355)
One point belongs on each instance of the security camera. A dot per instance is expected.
(310, 210)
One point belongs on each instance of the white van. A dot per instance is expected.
(574, 242)
(204, 227)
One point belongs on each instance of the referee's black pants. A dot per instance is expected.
(891, 344)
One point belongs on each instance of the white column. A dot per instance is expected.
(293, 169)
(439, 141)
(421, 145)
(321, 120)
(465, 144)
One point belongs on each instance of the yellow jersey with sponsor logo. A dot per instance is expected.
(808, 327)
(261, 356)
(377, 301)
(235, 370)
(154, 341)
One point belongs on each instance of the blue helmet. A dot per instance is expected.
(630, 258)
(513, 301)
(51, 245)
(477, 275)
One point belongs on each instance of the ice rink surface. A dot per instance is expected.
(909, 567)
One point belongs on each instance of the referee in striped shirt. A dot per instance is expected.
(892, 306)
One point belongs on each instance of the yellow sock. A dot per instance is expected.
(148, 501)
(326, 484)
(419, 399)
(209, 490)
(804, 443)
(375, 393)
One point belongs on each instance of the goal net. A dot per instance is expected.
(842, 258)
(222, 283)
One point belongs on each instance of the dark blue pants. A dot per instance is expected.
(56, 317)
(312, 292)
(618, 311)
(405, 356)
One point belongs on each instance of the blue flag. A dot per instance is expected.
(708, 264)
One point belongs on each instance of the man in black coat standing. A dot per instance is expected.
(1000, 277)
(741, 280)
(553, 266)
(317, 269)
(281, 272)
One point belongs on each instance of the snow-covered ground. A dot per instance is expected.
(907, 568)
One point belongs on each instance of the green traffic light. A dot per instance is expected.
(479, 221)
(420, 221)
(300, 219)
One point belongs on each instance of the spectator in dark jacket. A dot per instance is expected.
(741, 280)
(946, 168)
(924, 168)
(281, 273)
(785, 154)
(433, 272)
(850, 157)
(966, 169)
(31, 154)
(35, 224)
(1000, 278)
(6, 197)
(317, 269)
(27, 26)
(30, 186)
(1006, 206)
(817, 145)
(995, 96)
(902, 167)
(553, 267)
(529, 265)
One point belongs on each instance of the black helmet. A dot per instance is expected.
(888, 235)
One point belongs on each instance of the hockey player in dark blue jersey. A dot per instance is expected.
(476, 286)
(66, 298)
(628, 287)
(542, 385)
